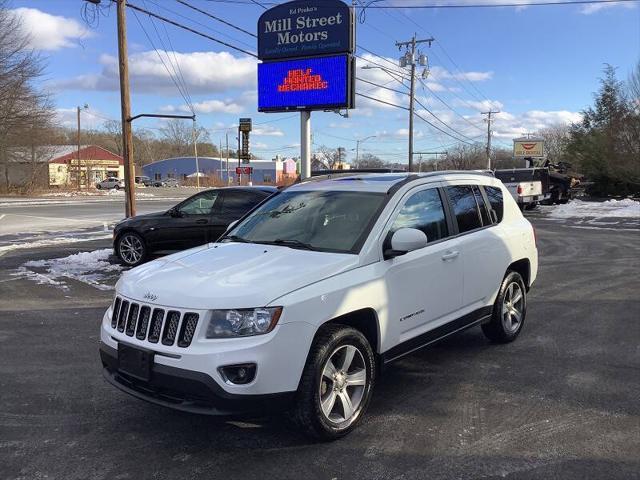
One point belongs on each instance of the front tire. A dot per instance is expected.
(131, 249)
(509, 310)
(336, 385)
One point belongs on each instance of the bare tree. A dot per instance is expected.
(332, 157)
(25, 110)
(369, 160)
(178, 136)
(556, 138)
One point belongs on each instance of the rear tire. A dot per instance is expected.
(99, 187)
(336, 384)
(117, 187)
(131, 249)
(509, 310)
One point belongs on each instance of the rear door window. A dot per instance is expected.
(237, 202)
(424, 211)
(494, 195)
(465, 208)
(484, 211)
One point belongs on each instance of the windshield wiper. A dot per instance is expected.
(291, 243)
(235, 238)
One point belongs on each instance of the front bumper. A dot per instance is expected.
(190, 391)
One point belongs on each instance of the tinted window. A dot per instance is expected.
(494, 195)
(464, 207)
(484, 212)
(199, 204)
(423, 211)
(237, 203)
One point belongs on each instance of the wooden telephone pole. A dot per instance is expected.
(125, 104)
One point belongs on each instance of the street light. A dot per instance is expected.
(358, 142)
(79, 170)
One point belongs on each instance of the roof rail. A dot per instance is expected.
(317, 173)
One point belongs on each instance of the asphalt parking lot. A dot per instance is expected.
(562, 402)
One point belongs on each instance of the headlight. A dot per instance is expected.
(242, 322)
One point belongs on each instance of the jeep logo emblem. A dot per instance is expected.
(150, 296)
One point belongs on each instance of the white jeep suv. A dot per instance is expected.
(300, 304)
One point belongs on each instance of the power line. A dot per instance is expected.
(177, 85)
(425, 86)
(498, 5)
(189, 29)
(382, 86)
(442, 122)
(210, 15)
(203, 25)
(175, 66)
(381, 101)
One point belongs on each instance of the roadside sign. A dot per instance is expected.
(244, 170)
(316, 83)
(305, 28)
(245, 125)
(528, 147)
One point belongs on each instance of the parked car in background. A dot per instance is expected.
(303, 301)
(109, 183)
(142, 180)
(195, 221)
(167, 182)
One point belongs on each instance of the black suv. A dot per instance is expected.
(199, 219)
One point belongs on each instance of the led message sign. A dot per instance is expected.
(308, 84)
(305, 28)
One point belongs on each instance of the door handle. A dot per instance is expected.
(202, 220)
(450, 255)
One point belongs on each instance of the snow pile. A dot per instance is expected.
(92, 268)
(81, 193)
(120, 192)
(626, 208)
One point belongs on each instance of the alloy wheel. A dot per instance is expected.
(512, 307)
(342, 385)
(131, 249)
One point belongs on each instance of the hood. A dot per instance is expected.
(230, 275)
(141, 218)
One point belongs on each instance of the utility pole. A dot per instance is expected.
(195, 151)
(305, 144)
(239, 175)
(125, 106)
(488, 120)
(227, 134)
(78, 166)
(409, 58)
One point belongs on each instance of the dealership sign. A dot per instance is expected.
(305, 28)
(314, 83)
(528, 147)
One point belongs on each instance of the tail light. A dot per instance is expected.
(519, 189)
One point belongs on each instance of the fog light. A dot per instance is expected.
(238, 374)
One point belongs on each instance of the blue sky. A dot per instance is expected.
(538, 65)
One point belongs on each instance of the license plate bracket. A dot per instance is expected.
(136, 362)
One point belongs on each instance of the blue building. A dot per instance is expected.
(264, 171)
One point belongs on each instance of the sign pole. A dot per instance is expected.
(305, 144)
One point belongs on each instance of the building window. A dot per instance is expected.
(157, 176)
(267, 178)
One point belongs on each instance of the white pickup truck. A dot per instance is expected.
(527, 186)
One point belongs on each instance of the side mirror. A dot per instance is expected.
(175, 213)
(405, 240)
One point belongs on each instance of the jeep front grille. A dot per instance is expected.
(152, 325)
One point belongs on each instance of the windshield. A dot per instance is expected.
(316, 220)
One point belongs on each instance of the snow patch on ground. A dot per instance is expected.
(92, 268)
(35, 242)
(625, 208)
(90, 193)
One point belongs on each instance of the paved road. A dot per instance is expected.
(48, 215)
(561, 402)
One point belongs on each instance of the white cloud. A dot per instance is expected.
(207, 106)
(267, 131)
(596, 7)
(508, 125)
(50, 32)
(203, 72)
(441, 74)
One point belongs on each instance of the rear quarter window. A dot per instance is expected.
(465, 207)
(494, 195)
